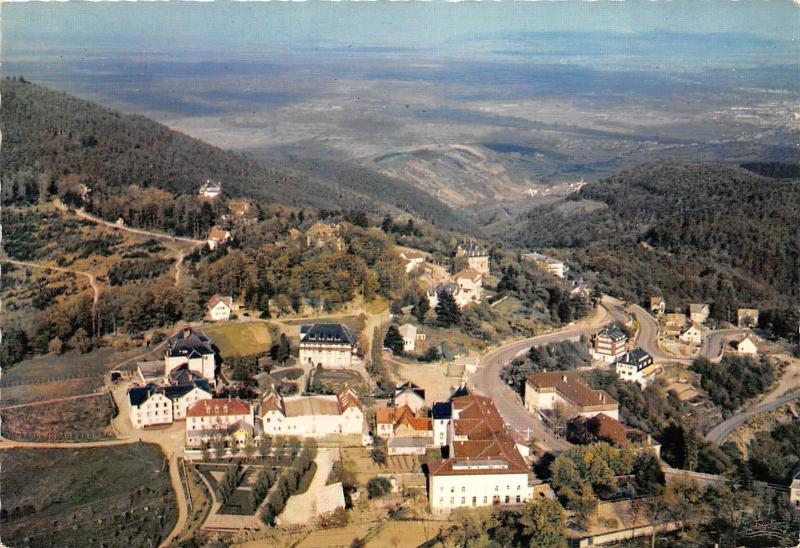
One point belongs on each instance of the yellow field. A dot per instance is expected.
(240, 339)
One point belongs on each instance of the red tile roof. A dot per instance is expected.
(218, 407)
(571, 388)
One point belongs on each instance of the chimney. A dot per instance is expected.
(564, 378)
(186, 331)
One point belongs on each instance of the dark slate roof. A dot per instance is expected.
(409, 387)
(447, 352)
(332, 333)
(140, 394)
(460, 392)
(189, 343)
(442, 410)
(614, 333)
(183, 375)
(637, 357)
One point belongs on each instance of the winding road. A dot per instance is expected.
(487, 381)
(91, 277)
(720, 432)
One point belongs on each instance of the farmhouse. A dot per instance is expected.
(551, 390)
(219, 308)
(477, 256)
(693, 334)
(747, 346)
(548, 264)
(484, 468)
(331, 345)
(214, 417)
(192, 349)
(636, 366)
(216, 237)
(746, 317)
(609, 344)
(313, 416)
(699, 312)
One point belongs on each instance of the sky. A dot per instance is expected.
(769, 27)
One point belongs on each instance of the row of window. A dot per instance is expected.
(495, 500)
(464, 488)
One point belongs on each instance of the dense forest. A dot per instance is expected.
(691, 233)
(48, 136)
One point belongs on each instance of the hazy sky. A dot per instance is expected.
(440, 28)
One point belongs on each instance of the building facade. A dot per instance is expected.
(477, 256)
(551, 390)
(193, 349)
(313, 416)
(219, 308)
(636, 366)
(609, 345)
(331, 345)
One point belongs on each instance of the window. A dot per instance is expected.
(452, 489)
(518, 487)
(485, 500)
(518, 501)
(496, 487)
(441, 500)
(463, 489)
(508, 499)
(463, 500)
(474, 500)
(452, 500)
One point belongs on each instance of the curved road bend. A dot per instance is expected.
(720, 433)
(487, 382)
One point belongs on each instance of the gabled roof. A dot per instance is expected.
(409, 387)
(218, 234)
(408, 330)
(472, 249)
(636, 357)
(347, 399)
(182, 375)
(611, 430)
(468, 274)
(571, 388)
(272, 402)
(140, 394)
(217, 298)
(402, 416)
(188, 341)
(330, 333)
(696, 308)
(442, 410)
(462, 390)
(614, 333)
(218, 407)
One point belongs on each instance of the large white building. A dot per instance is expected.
(548, 264)
(194, 350)
(549, 390)
(331, 345)
(485, 467)
(153, 405)
(636, 366)
(313, 416)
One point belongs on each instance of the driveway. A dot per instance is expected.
(302, 509)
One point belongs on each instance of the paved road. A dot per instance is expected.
(715, 342)
(720, 433)
(487, 380)
(647, 337)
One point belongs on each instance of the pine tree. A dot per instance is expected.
(421, 308)
(447, 311)
(394, 340)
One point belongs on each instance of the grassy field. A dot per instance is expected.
(240, 339)
(357, 461)
(111, 496)
(85, 419)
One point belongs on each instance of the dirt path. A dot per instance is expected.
(54, 400)
(178, 262)
(91, 277)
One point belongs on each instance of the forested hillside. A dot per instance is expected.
(48, 136)
(692, 233)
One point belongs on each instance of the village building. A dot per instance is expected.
(673, 324)
(409, 394)
(470, 282)
(410, 336)
(210, 189)
(548, 264)
(412, 259)
(228, 418)
(609, 344)
(331, 345)
(550, 391)
(485, 467)
(323, 234)
(313, 416)
(747, 346)
(462, 297)
(794, 491)
(657, 306)
(693, 334)
(636, 366)
(747, 317)
(153, 405)
(190, 352)
(699, 313)
(406, 434)
(219, 308)
(477, 256)
(217, 237)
